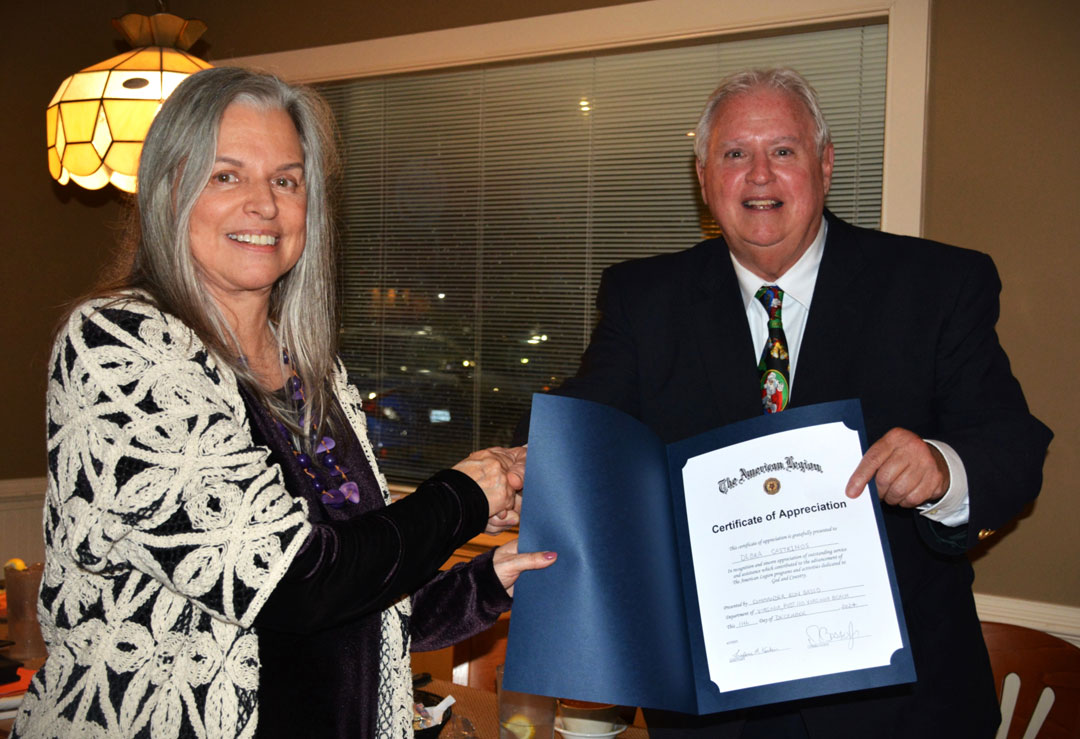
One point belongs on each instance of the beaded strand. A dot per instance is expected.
(333, 495)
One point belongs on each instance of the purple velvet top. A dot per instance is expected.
(319, 631)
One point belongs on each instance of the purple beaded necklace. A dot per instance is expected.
(328, 477)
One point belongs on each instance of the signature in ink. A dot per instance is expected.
(822, 636)
(740, 655)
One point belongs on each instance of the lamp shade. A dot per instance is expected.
(96, 121)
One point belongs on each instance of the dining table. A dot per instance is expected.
(7, 718)
(476, 713)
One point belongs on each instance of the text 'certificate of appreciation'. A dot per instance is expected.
(791, 579)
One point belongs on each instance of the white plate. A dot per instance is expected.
(619, 728)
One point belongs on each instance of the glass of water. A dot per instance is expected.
(522, 715)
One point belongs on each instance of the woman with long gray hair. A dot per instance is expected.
(222, 555)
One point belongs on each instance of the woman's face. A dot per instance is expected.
(248, 225)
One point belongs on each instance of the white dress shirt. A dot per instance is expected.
(798, 287)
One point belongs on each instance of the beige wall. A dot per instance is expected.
(1002, 178)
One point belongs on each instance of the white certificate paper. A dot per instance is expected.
(791, 578)
(717, 572)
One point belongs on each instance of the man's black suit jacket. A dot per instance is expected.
(906, 326)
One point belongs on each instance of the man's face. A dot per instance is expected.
(763, 179)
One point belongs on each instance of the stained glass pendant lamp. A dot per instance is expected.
(98, 118)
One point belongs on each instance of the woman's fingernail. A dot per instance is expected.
(550, 555)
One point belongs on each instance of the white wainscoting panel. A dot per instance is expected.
(1060, 621)
(21, 501)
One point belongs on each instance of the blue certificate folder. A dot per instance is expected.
(616, 619)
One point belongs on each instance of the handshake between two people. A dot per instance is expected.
(500, 473)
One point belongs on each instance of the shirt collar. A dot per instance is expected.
(797, 283)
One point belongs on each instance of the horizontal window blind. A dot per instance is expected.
(480, 206)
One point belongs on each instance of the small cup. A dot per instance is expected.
(522, 715)
(583, 717)
(23, 627)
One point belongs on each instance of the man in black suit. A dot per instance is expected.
(904, 324)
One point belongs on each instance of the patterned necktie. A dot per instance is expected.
(775, 385)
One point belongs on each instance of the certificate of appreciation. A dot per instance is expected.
(722, 571)
(796, 582)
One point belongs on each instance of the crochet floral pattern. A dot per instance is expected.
(166, 530)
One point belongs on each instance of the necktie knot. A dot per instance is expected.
(774, 365)
(772, 297)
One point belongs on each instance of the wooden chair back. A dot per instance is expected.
(1038, 682)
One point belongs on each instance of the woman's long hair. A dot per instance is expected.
(177, 158)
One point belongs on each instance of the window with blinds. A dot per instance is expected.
(480, 206)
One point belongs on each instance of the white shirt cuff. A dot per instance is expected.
(952, 508)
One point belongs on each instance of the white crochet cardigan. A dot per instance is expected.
(166, 530)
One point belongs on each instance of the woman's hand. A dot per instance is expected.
(500, 473)
(504, 520)
(509, 564)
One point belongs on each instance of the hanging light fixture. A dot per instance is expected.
(98, 118)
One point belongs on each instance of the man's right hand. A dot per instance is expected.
(908, 471)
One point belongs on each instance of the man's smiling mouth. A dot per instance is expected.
(762, 204)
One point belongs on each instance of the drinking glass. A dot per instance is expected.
(522, 715)
(22, 597)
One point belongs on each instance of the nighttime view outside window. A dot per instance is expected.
(480, 206)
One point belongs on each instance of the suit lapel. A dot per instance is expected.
(828, 356)
(718, 321)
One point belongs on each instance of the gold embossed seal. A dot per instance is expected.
(772, 486)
